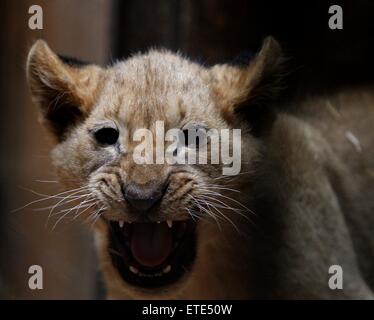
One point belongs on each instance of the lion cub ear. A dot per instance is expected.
(64, 91)
(249, 91)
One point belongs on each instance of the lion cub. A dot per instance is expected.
(302, 202)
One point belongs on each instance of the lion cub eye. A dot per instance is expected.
(106, 136)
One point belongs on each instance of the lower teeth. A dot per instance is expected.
(134, 270)
(166, 270)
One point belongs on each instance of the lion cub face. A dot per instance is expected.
(151, 219)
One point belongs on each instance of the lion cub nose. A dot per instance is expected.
(142, 198)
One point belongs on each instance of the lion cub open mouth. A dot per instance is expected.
(152, 254)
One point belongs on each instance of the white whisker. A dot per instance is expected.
(46, 197)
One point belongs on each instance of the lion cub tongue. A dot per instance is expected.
(150, 243)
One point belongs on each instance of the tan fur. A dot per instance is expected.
(160, 85)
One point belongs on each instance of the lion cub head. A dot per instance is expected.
(162, 228)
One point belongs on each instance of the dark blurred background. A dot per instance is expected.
(102, 31)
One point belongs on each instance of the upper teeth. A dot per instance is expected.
(168, 222)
